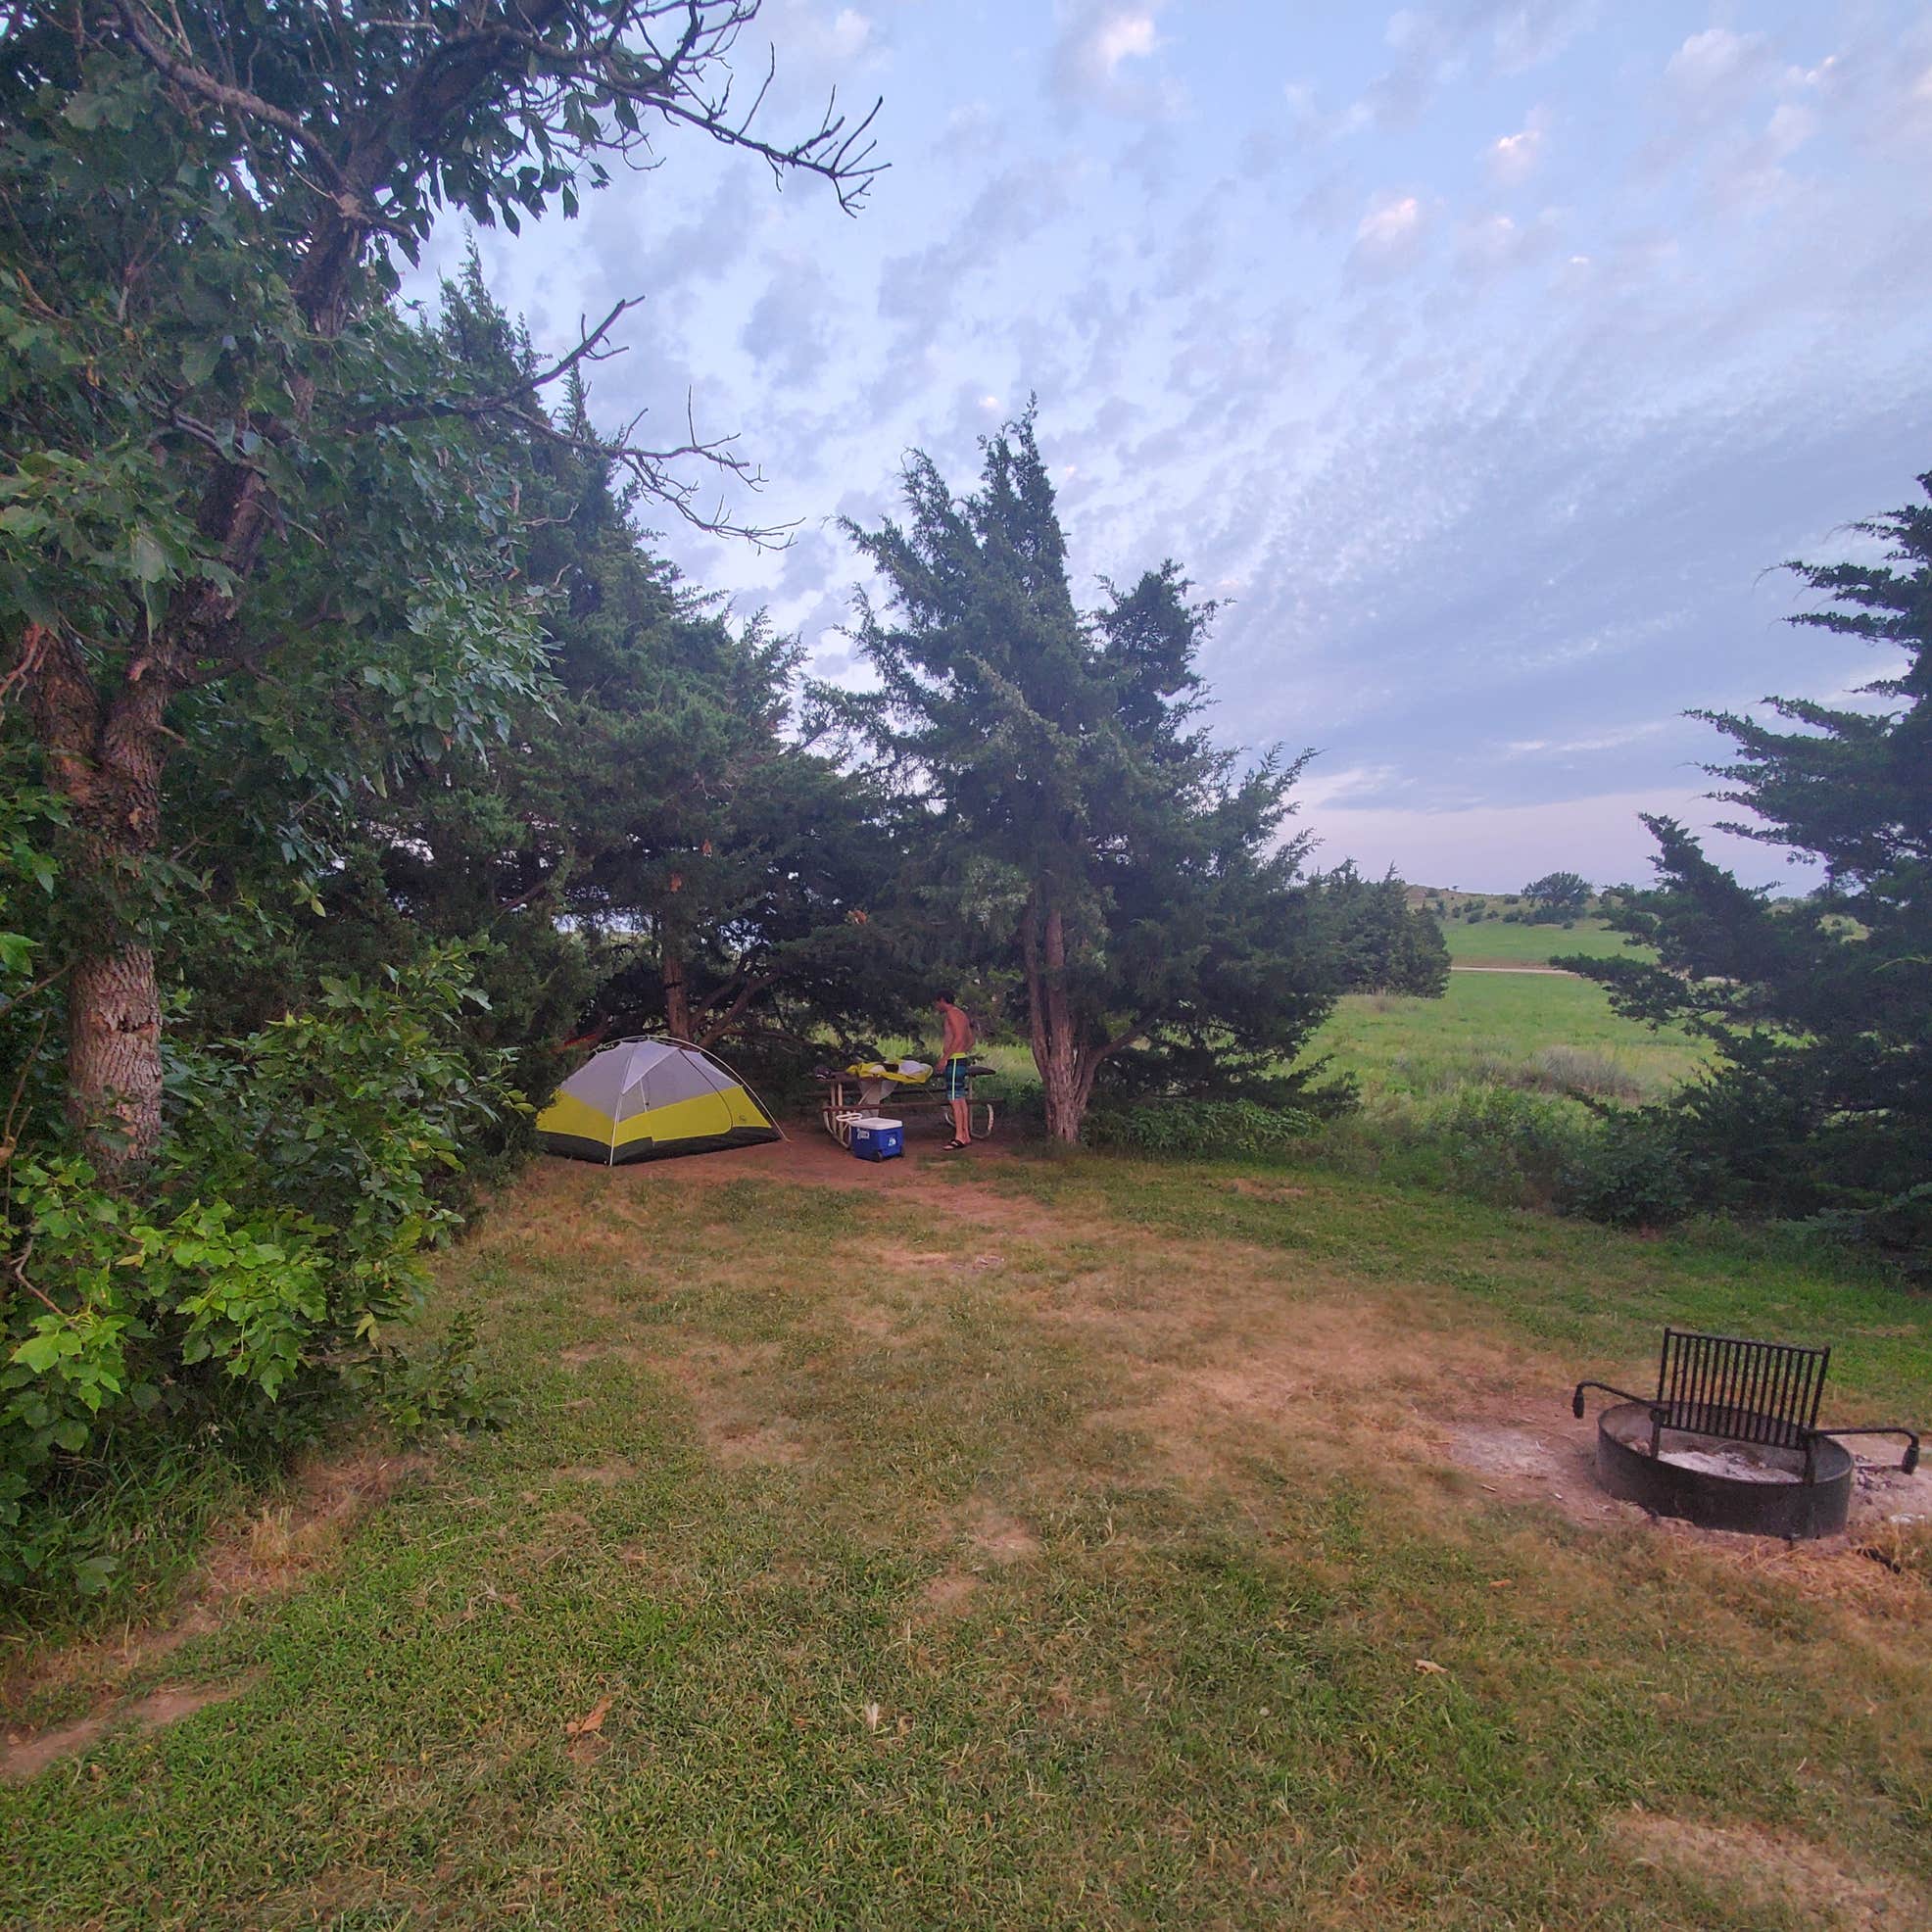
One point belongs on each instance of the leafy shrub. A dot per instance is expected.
(430, 1384)
(1501, 1145)
(279, 1238)
(1629, 1172)
(1196, 1129)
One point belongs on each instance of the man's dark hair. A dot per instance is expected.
(946, 997)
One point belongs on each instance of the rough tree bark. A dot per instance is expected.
(1055, 1048)
(677, 995)
(104, 759)
(1068, 1063)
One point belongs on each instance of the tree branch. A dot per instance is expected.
(218, 93)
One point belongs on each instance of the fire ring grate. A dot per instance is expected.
(1720, 1484)
(1731, 1440)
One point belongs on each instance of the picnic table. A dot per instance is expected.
(850, 1096)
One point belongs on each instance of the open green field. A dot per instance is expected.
(1021, 1542)
(1497, 943)
(1487, 1027)
(1496, 1028)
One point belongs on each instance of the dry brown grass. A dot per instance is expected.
(1777, 1869)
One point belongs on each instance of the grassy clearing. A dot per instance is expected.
(1497, 943)
(1490, 1030)
(1031, 1542)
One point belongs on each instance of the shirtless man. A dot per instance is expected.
(955, 1051)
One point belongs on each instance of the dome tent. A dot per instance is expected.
(643, 1099)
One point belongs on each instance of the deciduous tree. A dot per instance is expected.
(234, 483)
(1558, 895)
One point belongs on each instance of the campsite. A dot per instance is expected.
(964, 967)
(1028, 1541)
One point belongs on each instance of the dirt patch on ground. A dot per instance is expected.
(997, 1536)
(871, 1320)
(734, 1394)
(1774, 1868)
(770, 1445)
(948, 1593)
(1227, 1353)
(274, 1549)
(1890, 1495)
(584, 1353)
(1513, 1459)
(925, 1178)
(916, 1261)
(258, 1554)
(810, 1157)
(605, 1475)
(25, 1755)
(1877, 1565)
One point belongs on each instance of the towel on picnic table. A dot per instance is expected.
(907, 1073)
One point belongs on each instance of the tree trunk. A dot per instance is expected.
(1055, 1049)
(677, 995)
(105, 759)
(114, 1057)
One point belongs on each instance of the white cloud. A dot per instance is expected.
(1713, 59)
(850, 32)
(1102, 43)
(1526, 35)
(1124, 37)
(1603, 741)
(1492, 242)
(1323, 788)
(1389, 236)
(1514, 158)
(1315, 128)
(1791, 126)
(1391, 224)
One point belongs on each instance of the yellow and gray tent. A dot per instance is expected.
(643, 1099)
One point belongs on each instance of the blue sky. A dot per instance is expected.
(1480, 358)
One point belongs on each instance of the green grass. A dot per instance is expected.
(1496, 943)
(1488, 1029)
(927, 1593)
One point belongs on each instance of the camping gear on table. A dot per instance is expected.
(874, 1137)
(900, 1073)
(853, 1095)
(644, 1099)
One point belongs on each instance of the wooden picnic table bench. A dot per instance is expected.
(848, 1096)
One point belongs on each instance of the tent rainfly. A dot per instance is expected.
(643, 1099)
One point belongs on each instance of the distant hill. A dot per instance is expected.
(1447, 904)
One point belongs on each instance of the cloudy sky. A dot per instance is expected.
(1478, 358)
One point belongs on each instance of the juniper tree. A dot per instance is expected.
(1136, 879)
(1820, 1008)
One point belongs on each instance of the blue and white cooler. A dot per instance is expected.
(876, 1139)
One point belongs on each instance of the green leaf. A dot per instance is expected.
(146, 558)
